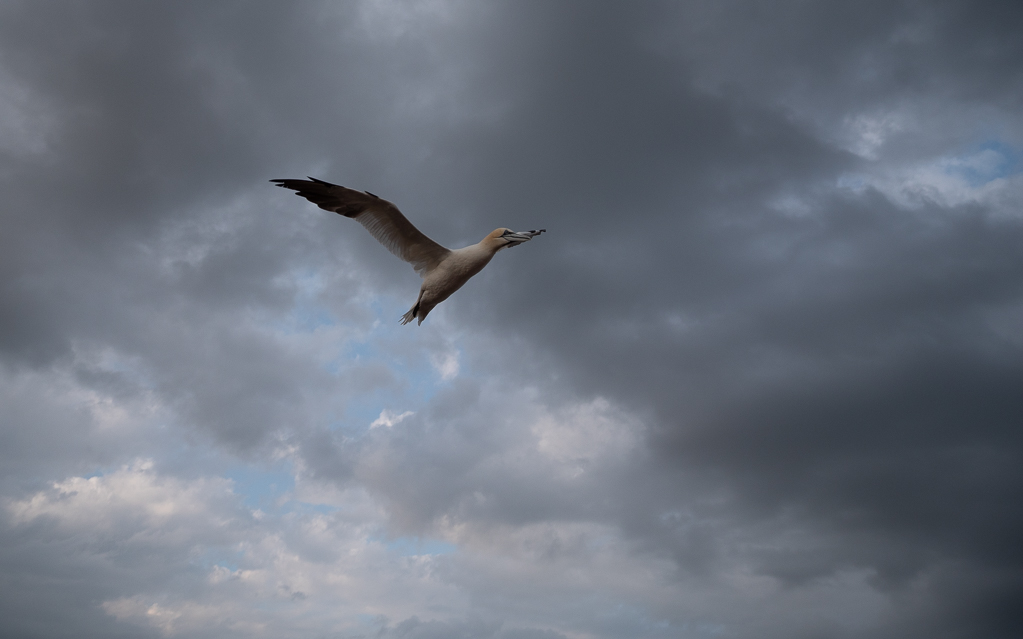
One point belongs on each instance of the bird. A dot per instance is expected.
(443, 270)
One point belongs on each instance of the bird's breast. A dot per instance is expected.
(456, 269)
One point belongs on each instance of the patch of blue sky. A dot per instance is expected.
(364, 410)
(356, 351)
(306, 318)
(307, 313)
(418, 386)
(368, 347)
(307, 507)
(984, 163)
(418, 380)
(262, 488)
(270, 490)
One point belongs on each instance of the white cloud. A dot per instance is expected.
(978, 177)
(590, 432)
(134, 502)
(173, 619)
(865, 134)
(388, 418)
(446, 364)
(292, 572)
(311, 574)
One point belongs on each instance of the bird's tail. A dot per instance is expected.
(411, 315)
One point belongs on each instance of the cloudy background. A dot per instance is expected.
(762, 378)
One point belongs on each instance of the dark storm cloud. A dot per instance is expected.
(839, 366)
(842, 364)
(155, 115)
(828, 376)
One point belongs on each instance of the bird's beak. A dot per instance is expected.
(518, 237)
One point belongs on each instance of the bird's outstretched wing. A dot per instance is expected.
(381, 218)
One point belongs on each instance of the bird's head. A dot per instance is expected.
(503, 238)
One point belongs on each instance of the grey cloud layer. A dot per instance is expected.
(803, 357)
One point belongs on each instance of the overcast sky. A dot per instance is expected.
(761, 379)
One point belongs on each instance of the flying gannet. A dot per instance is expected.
(443, 271)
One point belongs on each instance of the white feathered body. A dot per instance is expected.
(452, 273)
